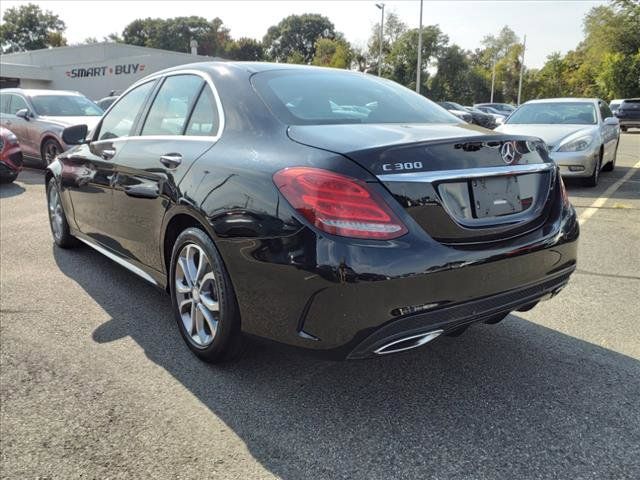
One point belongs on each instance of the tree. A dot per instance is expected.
(176, 34)
(394, 28)
(402, 61)
(332, 53)
(295, 37)
(552, 78)
(27, 27)
(245, 49)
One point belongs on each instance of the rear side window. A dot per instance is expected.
(204, 120)
(119, 121)
(4, 103)
(308, 97)
(171, 107)
(16, 103)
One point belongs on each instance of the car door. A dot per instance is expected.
(181, 124)
(89, 170)
(609, 133)
(19, 126)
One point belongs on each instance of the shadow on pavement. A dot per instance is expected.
(514, 400)
(577, 190)
(8, 190)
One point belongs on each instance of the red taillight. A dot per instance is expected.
(563, 192)
(338, 204)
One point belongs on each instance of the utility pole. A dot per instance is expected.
(419, 69)
(493, 78)
(524, 46)
(381, 7)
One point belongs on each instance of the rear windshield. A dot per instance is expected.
(65, 106)
(578, 113)
(632, 104)
(305, 97)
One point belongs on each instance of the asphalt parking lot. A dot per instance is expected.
(97, 383)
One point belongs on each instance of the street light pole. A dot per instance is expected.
(524, 46)
(493, 77)
(381, 7)
(419, 69)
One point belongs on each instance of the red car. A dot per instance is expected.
(10, 156)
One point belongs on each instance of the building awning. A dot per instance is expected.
(32, 72)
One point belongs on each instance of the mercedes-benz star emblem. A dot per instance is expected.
(508, 152)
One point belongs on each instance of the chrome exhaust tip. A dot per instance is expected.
(407, 343)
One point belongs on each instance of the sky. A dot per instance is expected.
(549, 25)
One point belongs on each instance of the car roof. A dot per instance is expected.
(33, 92)
(563, 100)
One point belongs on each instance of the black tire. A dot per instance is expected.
(8, 178)
(612, 164)
(61, 234)
(226, 344)
(592, 181)
(49, 150)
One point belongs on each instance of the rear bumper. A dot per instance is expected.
(629, 122)
(342, 299)
(576, 164)
(453, 317)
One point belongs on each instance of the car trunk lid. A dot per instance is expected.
(461, 184)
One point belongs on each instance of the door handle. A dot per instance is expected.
(171, 160)
(108, 153)
(143, 191)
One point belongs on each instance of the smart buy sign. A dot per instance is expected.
(105, 70)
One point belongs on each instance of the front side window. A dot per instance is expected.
(299, 97)
(605, 111)
(65, 106)
(16, 102)
(170, 109)
(120, 119)
(204, 119)
(552, 113)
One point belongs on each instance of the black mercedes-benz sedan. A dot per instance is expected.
(323, 209)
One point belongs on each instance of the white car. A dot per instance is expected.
(581, 134)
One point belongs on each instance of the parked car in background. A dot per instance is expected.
(38, 117)
(503, 116)
(10, 156)
(324, 209)
(582, 134)
(504, 108)
(457, 110)
(615, 104)
(628, 113)
(106, 102)
(486, 120)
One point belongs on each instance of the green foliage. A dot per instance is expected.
(401, 63)
(27, 27)
(393, 29)
(334, 53)
(295, 37)
(176, 34)
(244, 49)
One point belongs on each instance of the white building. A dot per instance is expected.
(94, 70)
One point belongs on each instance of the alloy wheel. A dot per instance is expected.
(56, 214)
(197, 295)
(51, 151)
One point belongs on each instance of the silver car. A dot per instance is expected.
(38, 117)
(581, 133)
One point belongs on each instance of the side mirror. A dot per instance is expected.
(75, 135)
(24, 113)
(611, 121)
